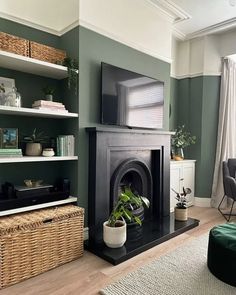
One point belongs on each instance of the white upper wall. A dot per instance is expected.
(53, 16)
(203, 55)
(137, 24)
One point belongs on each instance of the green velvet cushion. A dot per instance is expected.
(225, 235)
(221, 257)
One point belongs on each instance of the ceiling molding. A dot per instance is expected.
(170, 9)
(37, 26)
(28, 23)
(178, 34)
(214, 29)
(69, 28)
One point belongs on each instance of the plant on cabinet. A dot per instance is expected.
(114, 229)
(181, 210)
(180, 140)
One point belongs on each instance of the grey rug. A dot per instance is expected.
(181, 272)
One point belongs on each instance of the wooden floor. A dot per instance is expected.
(89, 274)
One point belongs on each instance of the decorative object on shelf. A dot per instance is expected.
(10, 153)
(181, 210)
(34, 143)
(180, 140)
(8, 190)
(2, 94)
(6, 86)
(65, 145)
(114, 229)
(13, 98)
(48, 152)
(33, 183)
(72, 69)
(46, 53)
(9, 138)
(49, 106)
(14, 44)
(48, 92)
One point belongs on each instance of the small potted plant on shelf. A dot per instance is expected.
(49, 92)
(34, 143)
(180, 140)
(114, 229)
(181, 210)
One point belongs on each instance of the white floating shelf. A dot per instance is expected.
(35, 113)
(36, 159)
(39, 206)
(26, 64)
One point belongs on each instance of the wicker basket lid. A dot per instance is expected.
(34, 219)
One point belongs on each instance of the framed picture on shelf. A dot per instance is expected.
(8, 138)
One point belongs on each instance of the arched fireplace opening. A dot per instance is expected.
(134, 174)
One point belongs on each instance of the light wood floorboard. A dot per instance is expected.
(87, 275)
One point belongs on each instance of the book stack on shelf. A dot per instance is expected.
(6, 153)
(65, 145)
(49, 106)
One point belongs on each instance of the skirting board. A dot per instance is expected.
(202, 202)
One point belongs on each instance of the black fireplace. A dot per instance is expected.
(139, 159)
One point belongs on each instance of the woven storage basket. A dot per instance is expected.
(46, 53)
(32, 243)
(14, 44)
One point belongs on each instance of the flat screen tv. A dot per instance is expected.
(131, 99)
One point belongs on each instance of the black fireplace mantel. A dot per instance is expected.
(128, 130)
(103, 143)
(109, 149)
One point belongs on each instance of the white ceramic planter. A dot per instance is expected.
(33, 149)
(181, 214)
(48, 152)
(114, 237)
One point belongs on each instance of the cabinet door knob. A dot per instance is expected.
(181, 178)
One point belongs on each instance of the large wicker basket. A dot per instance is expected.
(14, 44)
(46, 53)
(32, 243)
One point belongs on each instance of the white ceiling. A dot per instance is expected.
(192, 17)
(55, 15)
(206, 15)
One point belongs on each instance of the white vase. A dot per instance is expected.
(114, 237)
(33, 149)
(181, 214)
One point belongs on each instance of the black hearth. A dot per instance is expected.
(140, 158)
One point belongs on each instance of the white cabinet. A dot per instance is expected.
(182, 174)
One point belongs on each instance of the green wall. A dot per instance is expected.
(29, 33)
(93, 49)
(196, 106)
(173, 123)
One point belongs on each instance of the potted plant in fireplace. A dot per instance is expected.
(181, 210)
(115, 228)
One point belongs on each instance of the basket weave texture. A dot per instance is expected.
(46, 53)
(32, 243)
(14, 44)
